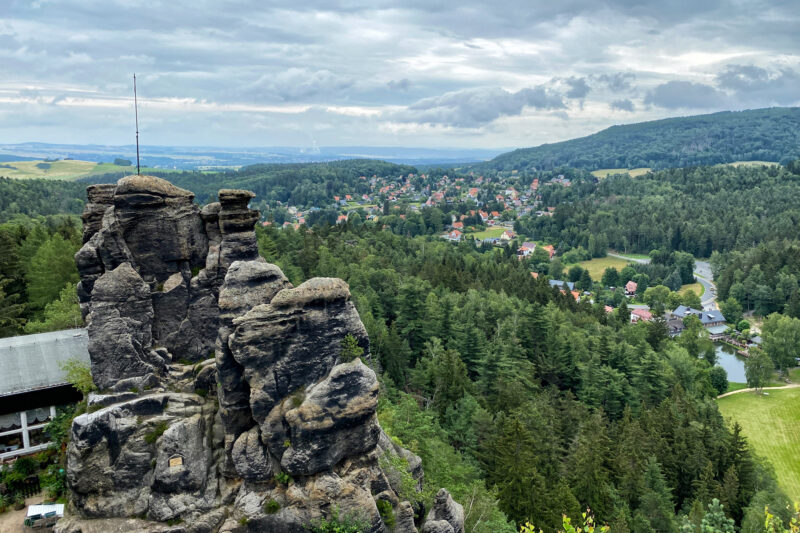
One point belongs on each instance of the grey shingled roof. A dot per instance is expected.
(31, 362)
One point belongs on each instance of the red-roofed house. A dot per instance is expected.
(535, 275)
(641, 314)
(341, 219)
(454, 236)
(630, 288)
(507, 235)
(526, 249)
(458, 225)
(550, 250)
(473, 192)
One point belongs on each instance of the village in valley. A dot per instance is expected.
(485, 212)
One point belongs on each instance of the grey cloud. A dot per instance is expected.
(399, 85)
(755, 84)
(473, 108)
(685, 94)
(578, 88)
(620, 81)
(298, 84)
(624, 104)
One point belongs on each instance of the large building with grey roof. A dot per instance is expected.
(33, 386)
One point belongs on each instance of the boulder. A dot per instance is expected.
(119, 324)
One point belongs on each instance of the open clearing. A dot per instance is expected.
(69, 169)
(597, 266)
(750, 163)
(489, 233)
(632, 172)
(696, 287)
(772, 425)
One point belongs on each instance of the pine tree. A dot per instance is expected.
(411, 316)
(715, 520)
(655, 504)
(588, 471)
(51, 268)
(11, 312)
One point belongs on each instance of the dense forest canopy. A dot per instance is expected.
(40, 197)
(697, 210)
(513, 392)
(522, 401)
(771, 134)
(301, 185)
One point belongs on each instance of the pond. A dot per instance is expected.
(732, 363)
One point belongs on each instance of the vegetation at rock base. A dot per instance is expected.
(152, 436)
(272, 507)
(339, 523)
(350, 349)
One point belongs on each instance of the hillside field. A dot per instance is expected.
(597, 266)
(58, 170)
(772, 426)
(696, 287)
(633, 172)
(489, 233)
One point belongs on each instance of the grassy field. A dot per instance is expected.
(632, 172)
(735, 386)
(749, 163)
(58, 170)
(772, 425)
(488, 233)
(696, 287)
(596, 267)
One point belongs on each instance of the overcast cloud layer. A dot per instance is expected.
(462, 73)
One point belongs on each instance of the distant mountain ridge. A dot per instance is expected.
(771, 134)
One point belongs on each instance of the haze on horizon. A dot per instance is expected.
(415, 73)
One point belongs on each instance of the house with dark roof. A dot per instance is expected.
(562, 284)
(33, 385)
(707, 318)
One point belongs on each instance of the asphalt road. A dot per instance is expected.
(702, 271)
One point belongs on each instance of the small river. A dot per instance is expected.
(732, 363)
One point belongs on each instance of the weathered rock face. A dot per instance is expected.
(274, 430)
(181, 252)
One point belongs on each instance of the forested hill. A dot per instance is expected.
(755, 135)
(302, 184)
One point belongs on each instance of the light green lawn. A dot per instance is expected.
(772, 426)
(597, 266)
(735, 386)
(488, 233)
(632, 172)
(749, 163)
(696, 287)
(59, 170)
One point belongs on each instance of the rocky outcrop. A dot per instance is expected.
(231, 401)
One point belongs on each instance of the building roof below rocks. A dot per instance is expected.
(33, 362)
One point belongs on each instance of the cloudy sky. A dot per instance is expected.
(433, 73)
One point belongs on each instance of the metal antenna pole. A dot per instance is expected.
(136, 110)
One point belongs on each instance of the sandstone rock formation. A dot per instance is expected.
(227, 401)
